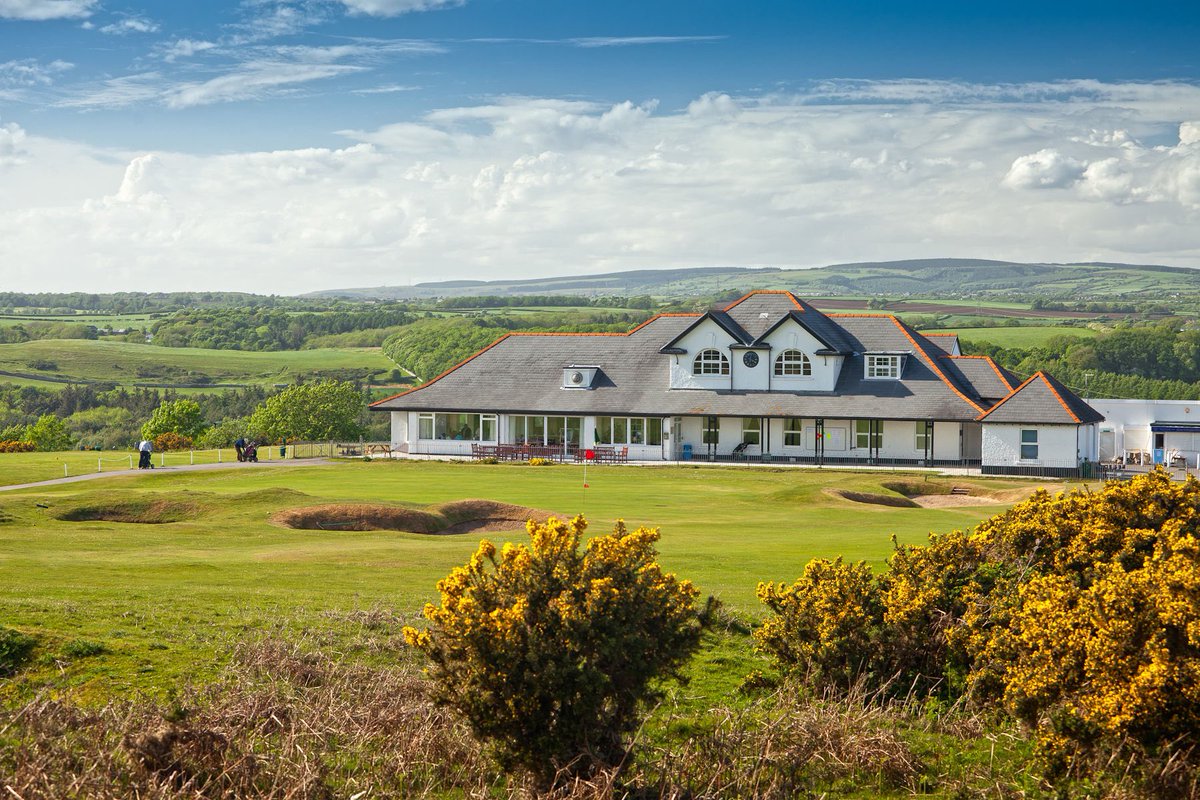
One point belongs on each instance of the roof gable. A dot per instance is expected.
(722, 321)
(1042, 399)
(805, 324)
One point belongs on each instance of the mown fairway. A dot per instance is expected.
(165, 600)
(53, 361)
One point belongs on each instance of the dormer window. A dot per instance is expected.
(883, 367)
(710, 362)
(793, 364)
(579, 377)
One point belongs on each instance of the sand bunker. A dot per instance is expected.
(460, 516)
(146, 512)
(872, 499)
(929, 494)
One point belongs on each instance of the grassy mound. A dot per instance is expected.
(459, 516)
(146, 511)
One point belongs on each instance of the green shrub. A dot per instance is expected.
(15, 648)
(83, 648)
(48, 434)
(552, 654)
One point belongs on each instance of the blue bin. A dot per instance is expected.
(686, 455)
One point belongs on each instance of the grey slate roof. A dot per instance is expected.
(990, 382)
(522, 373)
(1043, 399)
(942, 341)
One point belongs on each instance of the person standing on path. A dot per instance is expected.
(145, 448)
(240, 446)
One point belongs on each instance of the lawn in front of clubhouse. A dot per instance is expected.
(163, 602)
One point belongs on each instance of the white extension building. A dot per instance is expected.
(1150, 430)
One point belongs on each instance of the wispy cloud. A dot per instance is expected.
(31, 72)
(394, 8)
(252, 81)
(270, 19)
(39, 10)
(242, 72)
(389, 89)
(121, 92)
(629, 41)
(184, 48)
(128, 25)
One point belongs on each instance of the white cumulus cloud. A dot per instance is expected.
(1045, 169)
(527, 186)
(12, 138)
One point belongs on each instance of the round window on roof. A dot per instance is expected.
(576, 378)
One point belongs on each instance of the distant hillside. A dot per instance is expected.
(943, 277)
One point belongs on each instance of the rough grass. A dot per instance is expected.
(460, 516)
(289, 721)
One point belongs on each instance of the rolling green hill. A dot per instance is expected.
(55, 361)
(944, 277)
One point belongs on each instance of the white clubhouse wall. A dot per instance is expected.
(761, 377)
(1060, 446)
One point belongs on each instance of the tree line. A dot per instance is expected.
(1159, 361)
(268, 329)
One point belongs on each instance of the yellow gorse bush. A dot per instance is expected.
(550, 650)
(1078, 613)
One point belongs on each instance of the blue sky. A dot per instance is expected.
(283, 146)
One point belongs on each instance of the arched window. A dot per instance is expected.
(794, 364)
(710, 362)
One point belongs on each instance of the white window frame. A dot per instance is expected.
(862, 438)
(752, 427)
(882, 368)
(793, 432)
(649, 435)
(1024, 443)
(787, 365)
(921, 439)
(705, 364)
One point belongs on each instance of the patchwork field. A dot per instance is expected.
(1025, 336)
(202, 559)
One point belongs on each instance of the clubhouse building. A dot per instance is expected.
(768, 377)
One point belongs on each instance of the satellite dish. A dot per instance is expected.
(576, 378)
